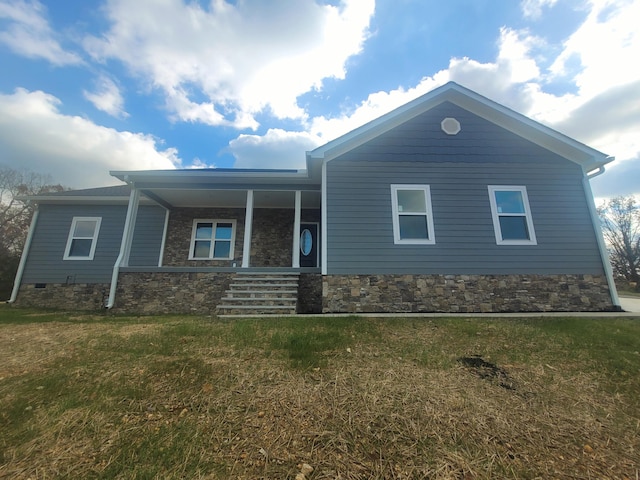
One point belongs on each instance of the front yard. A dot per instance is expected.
(351, 398)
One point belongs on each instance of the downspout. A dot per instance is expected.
(124, 245)
(595, 219)
(323, 218)
(23, 258)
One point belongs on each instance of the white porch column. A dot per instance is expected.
(248, 224)
(130, 225)
(295, 262)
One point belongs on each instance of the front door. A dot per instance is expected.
(309, 245)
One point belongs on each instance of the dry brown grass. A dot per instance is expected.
(392, 404)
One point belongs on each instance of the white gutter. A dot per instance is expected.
(23, 258)
(595, 173)
(124, 246)
(595, 219)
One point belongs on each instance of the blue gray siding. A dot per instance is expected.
(147, 236)
(44, 262)
(458, 169)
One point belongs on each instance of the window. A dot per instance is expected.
(212, 239)
(83, 236)
(412, 216)
(512, 221)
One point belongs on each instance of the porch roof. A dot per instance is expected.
(273, 188)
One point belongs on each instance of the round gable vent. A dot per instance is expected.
(450, 126)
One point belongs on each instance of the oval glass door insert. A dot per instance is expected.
(306, 242)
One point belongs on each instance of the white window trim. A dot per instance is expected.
(396, 215)
(94, 238)
(496, 217)
(215, 222)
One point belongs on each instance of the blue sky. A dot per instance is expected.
(89, 86)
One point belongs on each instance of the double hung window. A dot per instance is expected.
(212, 239)
(83, 237)
(412, 215)
(512, 221)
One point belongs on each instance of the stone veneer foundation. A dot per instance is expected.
(146, 293)
(464, 293)
(310, 293)
(200, 293)
(174, 292)
(77, 296)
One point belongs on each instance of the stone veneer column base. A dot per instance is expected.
(464, 293)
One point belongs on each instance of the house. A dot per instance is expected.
(450, 203)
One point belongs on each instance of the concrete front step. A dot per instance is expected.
(262, 301)
(260, 293)
(266, 294)
(254, 313)
(263, 278)
(223, 310)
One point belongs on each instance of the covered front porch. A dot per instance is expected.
(217, 227)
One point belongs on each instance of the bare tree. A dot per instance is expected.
(620, 219)
(15, 217)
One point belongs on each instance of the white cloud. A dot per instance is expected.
(27, 32)
(506, 80)
(607, 45)
(199, 163)
(276, 149)
(224, 64)
(603, 110)
(73, 150)
(533, 8)
(107, 98)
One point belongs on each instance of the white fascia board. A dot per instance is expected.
(500, 115)
(530, 129)
(203, 176)
(84, 199)
(374, 128)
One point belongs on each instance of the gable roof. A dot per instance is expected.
(589, 158)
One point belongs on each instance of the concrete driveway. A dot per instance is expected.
(630, 304)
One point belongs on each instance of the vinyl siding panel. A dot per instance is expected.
(44, 262)
(458, 168)
(147, 236)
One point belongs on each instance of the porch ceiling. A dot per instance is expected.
(235, 198)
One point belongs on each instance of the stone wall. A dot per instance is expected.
(272, 237)
(175, 292)
(310, 293)
(178, 241)
(78, 296)
(271, 242)
(465, 293)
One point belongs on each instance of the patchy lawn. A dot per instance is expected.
(348, 398)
